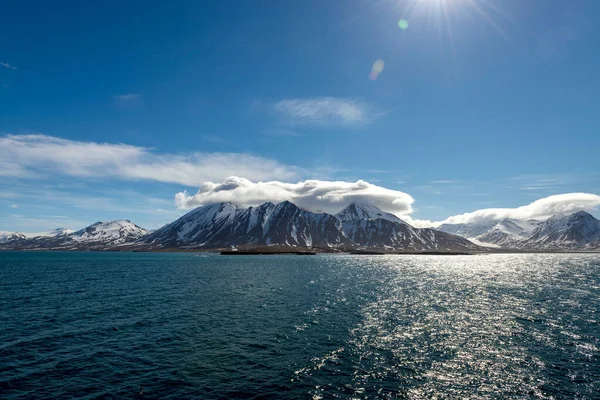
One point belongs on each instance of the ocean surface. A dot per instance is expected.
(190, 326)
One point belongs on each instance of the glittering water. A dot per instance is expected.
(99, 325)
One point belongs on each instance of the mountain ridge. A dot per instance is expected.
(358, 226)
(575, 231)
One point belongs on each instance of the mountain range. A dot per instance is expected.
(356, 227)
(576, 231)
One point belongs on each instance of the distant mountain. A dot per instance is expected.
(468, 230)
(7, 237)
(19, 236)
(576, 231)
(356, 227)
(560, 232)
(285, 224)
(112, 233)
(101, 235)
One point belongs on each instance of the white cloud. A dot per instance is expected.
(539, 209)
(419, 223)
(7, 65)
(127, 98)
(332, 196)
(38, 155)
(10, 169)
(325, 111)
(328, 196)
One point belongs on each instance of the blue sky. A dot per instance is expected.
(108, 110)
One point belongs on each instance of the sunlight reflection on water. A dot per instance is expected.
(326, 326)
(452, 327)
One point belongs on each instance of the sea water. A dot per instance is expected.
(185, 325)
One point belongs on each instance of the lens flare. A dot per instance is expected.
(403, 24)
(376, 69)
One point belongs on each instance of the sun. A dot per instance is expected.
(442, 12)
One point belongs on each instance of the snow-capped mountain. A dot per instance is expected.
(101, 235)
(6, 237)
(285, 224)
(358, 226)
(507, 233)
(222, 225)
(575, 231)
(112, 232)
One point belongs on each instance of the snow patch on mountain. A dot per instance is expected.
(51, 233)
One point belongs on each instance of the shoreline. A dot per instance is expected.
(301, 251)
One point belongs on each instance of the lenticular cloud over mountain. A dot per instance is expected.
(316, 195)
(540, 209)
(332, 196)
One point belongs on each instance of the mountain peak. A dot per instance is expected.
(117, 231)
(579, 229)
(582, 215)
(356, 211)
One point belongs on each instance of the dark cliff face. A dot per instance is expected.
(220, 226)
(289, 224)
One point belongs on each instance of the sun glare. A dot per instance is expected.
(441, 13)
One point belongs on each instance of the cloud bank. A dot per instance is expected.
(325, 111)
(316, 195)
(540, 209)
(40, 155)
(216, 174)
(332, 196)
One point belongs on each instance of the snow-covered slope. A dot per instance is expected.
(368, 226)
(7, 237)
(222, 225)
(101, 235)
(51, 233)
(507, 233)
(575, 231)
(365, 211)
(112, 232)
(285, 224)
(468, 230)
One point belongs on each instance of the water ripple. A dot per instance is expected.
(99, 325)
